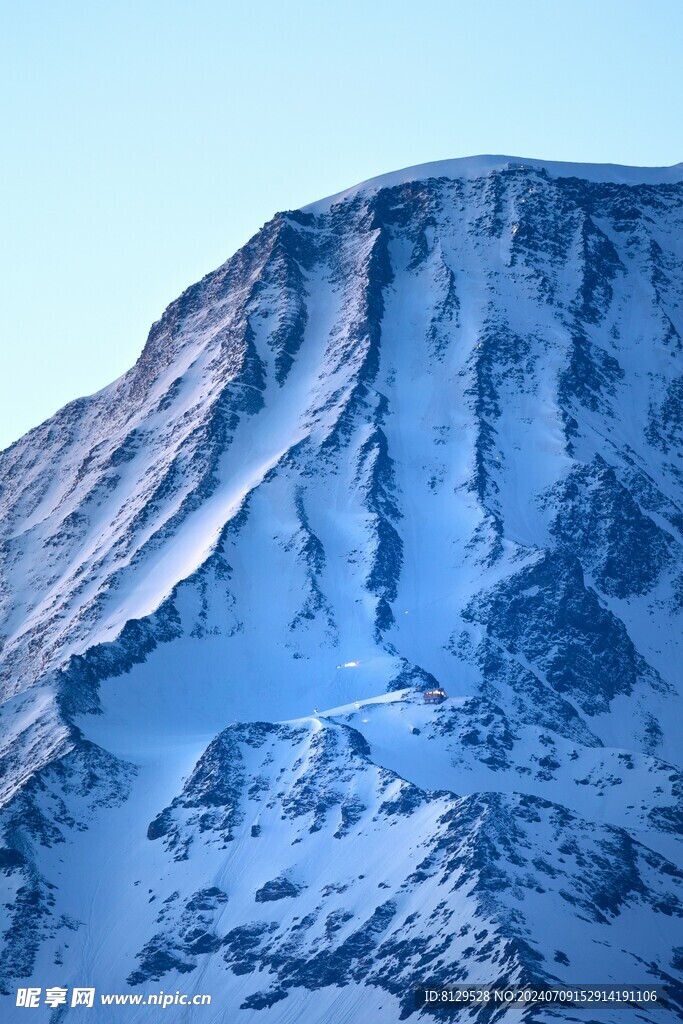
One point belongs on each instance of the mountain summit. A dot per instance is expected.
(426, 433)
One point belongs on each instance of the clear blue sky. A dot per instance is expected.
(143, 141)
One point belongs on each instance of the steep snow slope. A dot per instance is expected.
(427, 430)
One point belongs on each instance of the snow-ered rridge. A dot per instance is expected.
(427, 434)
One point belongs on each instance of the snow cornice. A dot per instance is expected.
(479, 166)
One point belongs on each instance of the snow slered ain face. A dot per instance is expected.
(426, 433)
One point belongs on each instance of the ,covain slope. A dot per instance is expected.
(427, 432)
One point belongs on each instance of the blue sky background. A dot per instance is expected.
(143, 141)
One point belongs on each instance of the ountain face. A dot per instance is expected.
(427, 434)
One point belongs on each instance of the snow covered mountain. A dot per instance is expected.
(426, 431)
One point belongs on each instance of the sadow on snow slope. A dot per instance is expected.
(425, 432)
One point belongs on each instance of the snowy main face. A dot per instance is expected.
(428, 434)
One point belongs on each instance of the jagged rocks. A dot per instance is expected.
(276, 889)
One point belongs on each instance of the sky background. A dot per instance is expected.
(144, 141)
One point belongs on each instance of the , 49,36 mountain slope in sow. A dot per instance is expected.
(426, 433)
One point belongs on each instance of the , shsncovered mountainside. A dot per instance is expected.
(429, 431)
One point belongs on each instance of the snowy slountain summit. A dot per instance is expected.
(428, 432)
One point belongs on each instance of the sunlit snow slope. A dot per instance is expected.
(429, 430)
